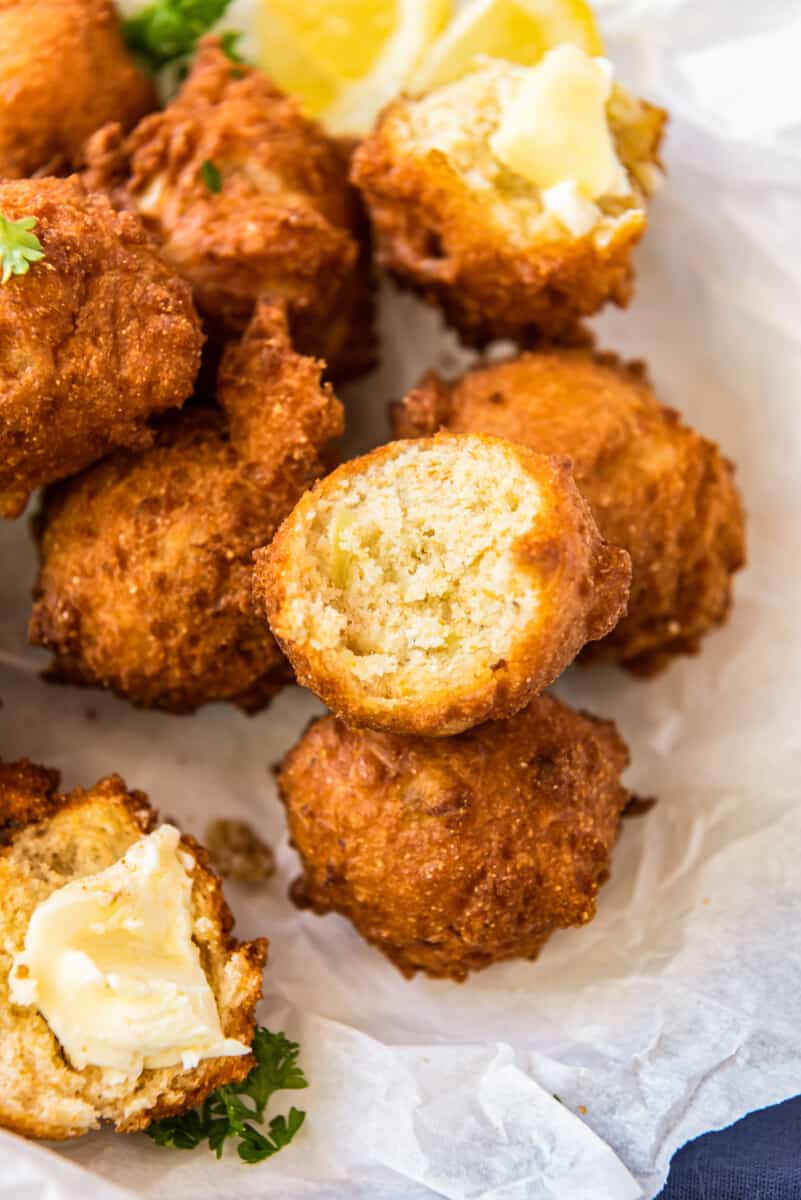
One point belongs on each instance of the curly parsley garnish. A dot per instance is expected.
(210, 174)
(167, 31)
(18, 246)
(230, 1110)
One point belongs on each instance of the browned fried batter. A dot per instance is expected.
(249, 198)
(146, 569)
(434, 584)
(655, 486)
(46, 842)
(452, 854)
(95, 338)
(470, 235)
(64, 72)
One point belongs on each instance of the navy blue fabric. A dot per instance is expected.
(759, 1158)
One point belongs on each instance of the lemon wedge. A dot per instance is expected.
(346, 58)
(518, 30)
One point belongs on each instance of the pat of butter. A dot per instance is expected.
(554, 128)
(110, 963)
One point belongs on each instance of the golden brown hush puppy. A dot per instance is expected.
(48, 839)
(655, 486)
(434, 584)
(64, 72)
(97, 336)
(145, 579)
(452, 854)
(249, 198)
(513, 197)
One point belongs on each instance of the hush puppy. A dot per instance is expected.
(249, 198)
(64, 72)
(655, 486)
(48, 839)
(145, 579)
(97, 337)
(434, 584)
(452, 854)
(513, 197)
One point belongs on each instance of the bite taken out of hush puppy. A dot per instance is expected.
(96, 337)
(64, 72)
(434, 584)
(513, 197)
(656, 487)
(451, 854)
(145, 560)
(123, 996)
(249, 198)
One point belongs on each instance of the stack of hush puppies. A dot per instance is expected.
(166, 374)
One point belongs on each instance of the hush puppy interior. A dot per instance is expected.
(64, 72)
(47, 840)
(249, 198)
(434, 584)
(145, 578)
(96, 338)
(513, 197)
(452, 854)
(655, 486)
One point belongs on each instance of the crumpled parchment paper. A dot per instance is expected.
(679, 1008)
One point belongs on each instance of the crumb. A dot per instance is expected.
(582, 1109)
(639, 805)
(90, 714)
(237, 851)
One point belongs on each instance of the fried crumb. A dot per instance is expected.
(237, 851)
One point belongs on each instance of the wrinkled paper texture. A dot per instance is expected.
(679, 1008)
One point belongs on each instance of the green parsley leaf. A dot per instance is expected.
(18, 246)
(230, 1110)
(228, 44)
(210, 174)
(169, 30)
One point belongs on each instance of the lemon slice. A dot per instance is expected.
(346, 58)
(518, 30)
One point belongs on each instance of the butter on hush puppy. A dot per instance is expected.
(513, 197)
(434, 584)
(655, 486)
(455, 853)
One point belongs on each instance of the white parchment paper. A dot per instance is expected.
(679, 1008)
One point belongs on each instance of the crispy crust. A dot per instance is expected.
(94, 340)
(655, 486)
(435, 236)
(285, 225)
(583, 581)
(145, 578)
(157, 1093)
(449, 855)
(46, 111)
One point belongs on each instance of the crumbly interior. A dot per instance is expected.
(460, 119)
(36, 1080)
(410, 573)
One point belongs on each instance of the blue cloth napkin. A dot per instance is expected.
(759, 1158)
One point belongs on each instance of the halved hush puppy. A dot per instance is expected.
(450, 854)
(434, 584)
(513, 197)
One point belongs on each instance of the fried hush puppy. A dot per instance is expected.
(145, 578)
(64, 72)
(513, 197)
(249, 198)
(49, 840)
(434, 584)
(655, 486)
(96, 338)
(452, 854)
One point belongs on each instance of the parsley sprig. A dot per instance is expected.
(231, 1110)
(18, 246)
(167, 31)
